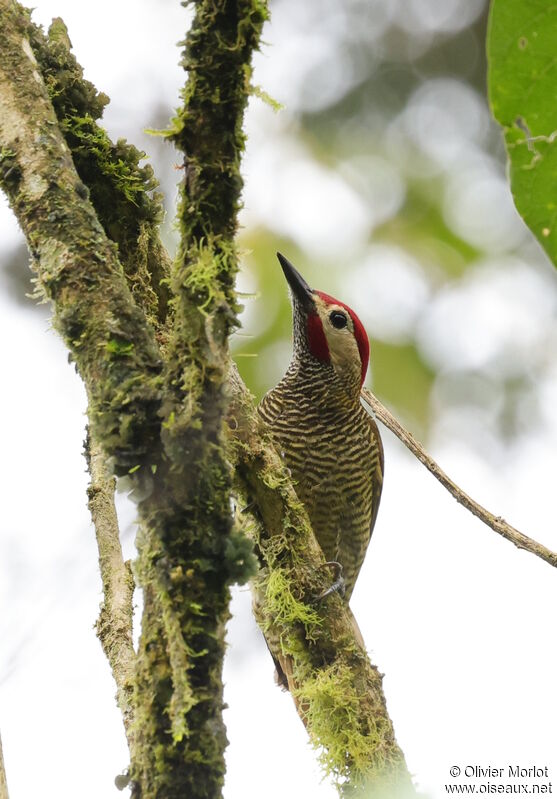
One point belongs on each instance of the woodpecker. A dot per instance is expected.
(330, 444)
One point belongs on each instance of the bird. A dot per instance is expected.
(327, 440)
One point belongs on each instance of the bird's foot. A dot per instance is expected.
(338, 586)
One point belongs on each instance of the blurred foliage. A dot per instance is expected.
(522, 81)
(389, 99)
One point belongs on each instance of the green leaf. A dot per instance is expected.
(522, 83)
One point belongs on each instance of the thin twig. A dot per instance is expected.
(114, 626)
(495, 522)
(3, 780)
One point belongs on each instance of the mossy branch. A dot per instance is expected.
(498, 524)
(337, 691)
(208, 127)
(115, 623)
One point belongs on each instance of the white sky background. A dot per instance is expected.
(460, 622)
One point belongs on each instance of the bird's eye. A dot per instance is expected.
(338, 319)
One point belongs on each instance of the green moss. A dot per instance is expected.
(208, 262)
(257, 91)
(175, 127)
(208, 126)
(183, 697)
(347, 725)
(117, 163)
(331, 704)
(119, 347)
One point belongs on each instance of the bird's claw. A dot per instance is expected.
(338, 586)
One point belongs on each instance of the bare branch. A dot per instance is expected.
(496, 523)
(114, 626)
(3, 782)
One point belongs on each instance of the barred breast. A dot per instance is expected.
(333, 450)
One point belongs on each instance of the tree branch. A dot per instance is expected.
(337, 691)
(496, 523)
(122, 192)
(114, 626)
(3, 781)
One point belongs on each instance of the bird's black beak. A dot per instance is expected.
(298, 285)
